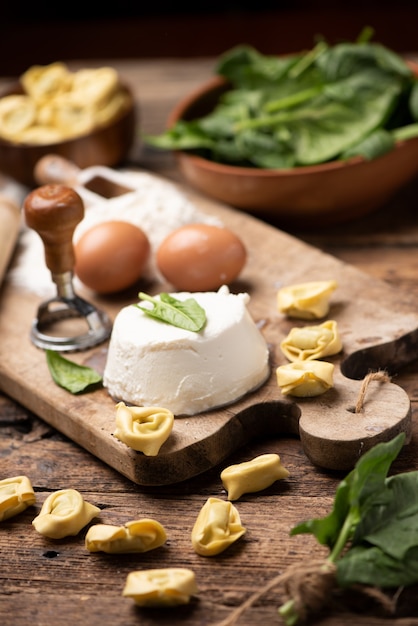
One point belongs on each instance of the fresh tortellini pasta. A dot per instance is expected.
(161, 587)
(307, 301)
(217, 526)
(309, 343)
(64, 513)
(57, 104)
(305, 379)
(252, 476)
(95, 85)
(43, 82)
(144, 429)
(17, 113)
(136, 536)
(16, 494)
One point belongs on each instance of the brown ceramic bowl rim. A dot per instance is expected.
(17, 89)
(237, 170)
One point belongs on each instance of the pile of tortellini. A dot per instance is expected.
(218, 525)
(58, 104)
(307, 375)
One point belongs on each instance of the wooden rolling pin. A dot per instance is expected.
(9, 231)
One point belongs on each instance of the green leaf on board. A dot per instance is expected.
(71, 376)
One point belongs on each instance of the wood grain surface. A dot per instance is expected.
(44, 581)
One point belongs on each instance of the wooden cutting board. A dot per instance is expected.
(377, 326)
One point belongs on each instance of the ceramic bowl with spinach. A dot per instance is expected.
(331, 133)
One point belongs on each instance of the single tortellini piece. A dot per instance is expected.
(16, 494)
(137, 536)
(68, 116)
(64, 513)
(95, 86)
(17, 114)
(43, 82)
(39, 135)
(161, 587)
(143, 429)
(117, 103)
(305, 379)
(217, 526)
(252, 476)
(309, 343)
(306, 300)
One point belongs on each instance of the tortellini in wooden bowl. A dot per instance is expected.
(87, 116)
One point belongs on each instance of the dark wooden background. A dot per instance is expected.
(43, 32)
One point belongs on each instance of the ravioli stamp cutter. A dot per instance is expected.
(66, 322)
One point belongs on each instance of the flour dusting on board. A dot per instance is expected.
(153, 204)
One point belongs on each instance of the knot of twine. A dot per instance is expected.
(380, 376)
(310, 585)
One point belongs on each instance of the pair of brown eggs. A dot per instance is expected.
(111, 257)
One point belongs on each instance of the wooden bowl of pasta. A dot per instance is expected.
(99, 133)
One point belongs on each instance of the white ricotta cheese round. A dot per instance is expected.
(151, 363)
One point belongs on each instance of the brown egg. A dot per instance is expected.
(111, 256)
(201, 257)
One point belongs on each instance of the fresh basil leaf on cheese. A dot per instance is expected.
(186, 314)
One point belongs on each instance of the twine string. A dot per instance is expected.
(310, 586)
(380, 376)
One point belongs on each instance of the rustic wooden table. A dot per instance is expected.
(45, 582)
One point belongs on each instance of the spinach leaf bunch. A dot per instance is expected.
(332, 102)
(372, 530)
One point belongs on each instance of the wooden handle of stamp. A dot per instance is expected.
(9, 231)
(54, 211)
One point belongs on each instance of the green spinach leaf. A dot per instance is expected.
(368, 565)
(376, 144)
(71, 376)
(245, 67)
(413, 100)
(392, 521)
(406, 132)
(354, 497)
(303, 109)
(186, 314)
(372, 531)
